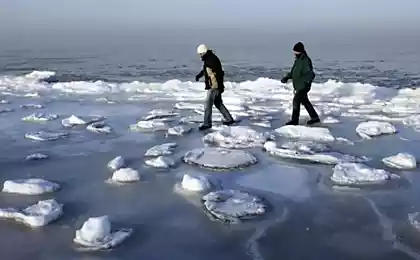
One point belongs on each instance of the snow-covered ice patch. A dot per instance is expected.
(233, 206)
(219, 158)
(162, 149)
(375, 128)
(150, 125)
(359, 174)
(46, 136)
(180, 130)
(33, 186)
(116, 163)
(123, 175)
(402, 161)
(99, 127)
(195, 183)
(161, 162)
(96, 234)
(236, 137)
(36, 156)
(310, 154)
(40, 117)
(318, 134)
(37, 215)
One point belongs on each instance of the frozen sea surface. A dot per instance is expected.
(306, 215)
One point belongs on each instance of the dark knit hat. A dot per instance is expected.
(299, 47)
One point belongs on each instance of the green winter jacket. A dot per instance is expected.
(301, 73)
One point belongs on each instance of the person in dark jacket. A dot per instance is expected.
(213, 76)
(302, 75)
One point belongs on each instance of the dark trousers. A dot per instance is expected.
(215, 97)
(301, 98)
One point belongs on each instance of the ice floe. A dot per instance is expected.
(219, 158)
(37, 215)
(28, 106)
(116, 163)
(46, 136)
(195, 183)
(160, 114)
(188, 106)
(99, 127)
(180, 130)
(162, 149)
(32, 186)
(6, 110)
(330, 120)
(359, 174)
(402, 161)
(161, 162)
(4, 101)
(150, 125)
(125, 175)
(306, 133)
(375, 128)
(75, 120)
(36, 156)
(95, 234)
(233, 206)
(40, 117)
(236, 137)
(412, 120)
(300, 152)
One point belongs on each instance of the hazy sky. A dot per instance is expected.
(230, 13)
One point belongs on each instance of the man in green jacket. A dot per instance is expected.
(302, 75)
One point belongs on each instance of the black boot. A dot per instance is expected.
(229, 122)
(204, 127)
(292, 122)
(313, 121)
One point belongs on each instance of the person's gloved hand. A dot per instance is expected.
(222, 90)
(283, 80)
(197, 78)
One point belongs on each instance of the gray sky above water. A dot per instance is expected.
(211, 13)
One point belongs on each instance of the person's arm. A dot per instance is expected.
(288, 75)
(308, 74)
(199, 75)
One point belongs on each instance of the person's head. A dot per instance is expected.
(298, 49)
(202, 50)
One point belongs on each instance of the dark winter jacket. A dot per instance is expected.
(301, 73)
(212, 71)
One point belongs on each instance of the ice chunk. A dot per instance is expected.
(402, 161)
(36, 156)
(116, 163)
(37, 215)
(161, 162)
(375, 128)
(413, 120)
(180, 130)
(306, 146)
(219, 158)
(151, 125)
(27, 106)
(414, 219)
(356, 173)
(188, 106)
(99, 127)
(330, 120)
(318, 157)
(40, 117)
(233, 206)
(6, 110)
(46, 136)
(4, 101)
(318, 134)
(163, 149)
(195, 184)
(75, 120)
(125, 175)
(236, 137)
(266, 124)
(33, 186)
(96, 234)
(160, 114)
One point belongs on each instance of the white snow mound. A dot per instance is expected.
(318, 134)
(402, 161)
(375, 128)
(32, 186)
(37, 215)
(162, 149)
(219, 158)
(116, 163)
(236, 137)
(233, 206)
(96, 234)
(126, 175)
(195, 184)
(356, 173)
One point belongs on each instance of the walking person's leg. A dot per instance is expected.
(208, 107)
(218, 103)
(297, 100)
(311, 110)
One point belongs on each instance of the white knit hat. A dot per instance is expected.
(202, 49)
